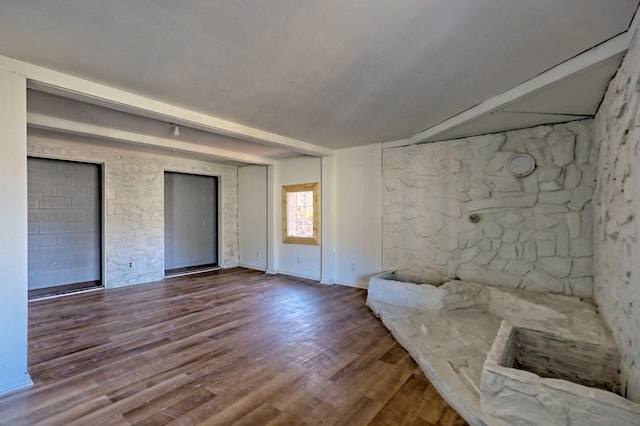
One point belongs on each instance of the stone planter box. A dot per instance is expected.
(385, 288)
(531, 377)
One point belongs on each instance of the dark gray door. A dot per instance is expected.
(64, 224)
(190, 221)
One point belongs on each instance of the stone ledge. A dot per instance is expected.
(450, 329)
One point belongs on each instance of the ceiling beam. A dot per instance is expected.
(61, 84)
(581, 62)
(45, 122)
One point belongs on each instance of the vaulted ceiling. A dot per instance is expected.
(332, 73)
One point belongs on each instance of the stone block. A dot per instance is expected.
(562, 151)
(527, 200)
(484, 258)
(554, 197)
(540, 222)
(518, 267)
(559, 267)
(582, 267)
(581, 287)
(530, 253)
(572, 176)
(508, 251)
(538, 280)
(484, 275)
(581, 247)
(510, 236)
(492, 230)
(550, 185)
(468, 254)
(428, 226)
(546, 248)
(579, 197)
(548, 173)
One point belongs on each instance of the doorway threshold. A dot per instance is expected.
(190, 270)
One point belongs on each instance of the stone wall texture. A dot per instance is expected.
(134, 199)
(534, 232)
(616, 205)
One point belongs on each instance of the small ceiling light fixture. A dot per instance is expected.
(176, 130)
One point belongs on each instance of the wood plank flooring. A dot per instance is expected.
(228, 347)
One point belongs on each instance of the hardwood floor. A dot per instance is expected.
(227, 347)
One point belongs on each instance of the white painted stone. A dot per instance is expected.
(572, 176)
(468, 254)
(497, 264)
(455, 166)
(544, 209)
(508, 251)
(492, 230)
(540, 222)
(582, 267)
(545, 248)
(457, 344)
(447, 181)
(548, 173)
(550, 185)
(530, 252)
(579, 197)
(582, 287)
(538, 280)
(518, 267)
(481, 274)
(559, 267)
(527, 200)
(563, 150)
(510, 236)
(573, 223)
(562, 240)
(484, 258)
(554, 197)
(581, 247)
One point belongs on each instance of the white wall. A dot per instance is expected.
(13, 228)
(296, 259)
(534, 232)
(252, 216)
(358, 214)
(134, 197)
(616, 209)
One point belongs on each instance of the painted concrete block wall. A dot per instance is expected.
(252, 216)
(296, 259)
(13, 228)
(534, 232)
(134, 196)
(358, 211)
(617, 204)
(64, 222)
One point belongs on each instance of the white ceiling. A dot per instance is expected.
(332, 73)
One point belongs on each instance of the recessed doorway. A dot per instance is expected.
(190, 223)
(65, 226)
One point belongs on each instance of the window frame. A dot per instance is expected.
(302, 187)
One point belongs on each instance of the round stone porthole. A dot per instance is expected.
(522, 165)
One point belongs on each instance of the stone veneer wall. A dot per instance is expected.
(134, 196)
(534, 232)
(617, 204)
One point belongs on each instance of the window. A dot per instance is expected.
(301, 214)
